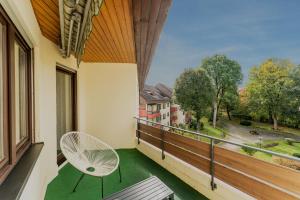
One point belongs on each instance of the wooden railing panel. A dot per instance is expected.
(190, 144)
(150, 130)
(250, 185)
(278, 175)
(197, 161)
(148, 138)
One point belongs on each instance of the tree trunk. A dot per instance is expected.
(228, 113)
(215, 114)
(275, 123)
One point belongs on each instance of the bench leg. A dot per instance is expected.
(171, 197)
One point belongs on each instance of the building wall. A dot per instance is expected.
(177, 115)
(165, 111)
(108, 102)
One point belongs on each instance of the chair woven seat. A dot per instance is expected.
(89, 154)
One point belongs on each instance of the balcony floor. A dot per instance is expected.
(134, 166)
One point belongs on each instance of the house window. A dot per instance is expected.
(164, 106)
(149, 108)
(168, 114)
(65, 105)
(164, 116)
(158, 107)
(16, 96)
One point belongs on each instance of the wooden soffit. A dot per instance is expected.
(124, 31)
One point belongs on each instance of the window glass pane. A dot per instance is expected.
(21, 93)
(64, 105)
(1, 94)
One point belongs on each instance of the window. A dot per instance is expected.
(168, 114)
(149, 108)
(158, 107)
(164, 106)
(168, 105)
(164, 116)
(21, 93)
(3, 97)
(65, 105)
(16, 99)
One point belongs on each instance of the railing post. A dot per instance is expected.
(138, 131)
(162, 144)
(212, 166)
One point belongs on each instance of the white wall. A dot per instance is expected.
(108, 101)
(164, 111)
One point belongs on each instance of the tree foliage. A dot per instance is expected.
(193, 91)
(225, 74)
(268, 88)
(230, 100)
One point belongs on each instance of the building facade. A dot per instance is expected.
(154, 106)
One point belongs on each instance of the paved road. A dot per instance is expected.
(240, 134)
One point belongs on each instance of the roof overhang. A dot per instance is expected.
(122, 31)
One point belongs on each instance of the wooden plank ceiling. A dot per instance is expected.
(125, 31)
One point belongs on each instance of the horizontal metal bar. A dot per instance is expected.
(225, 141)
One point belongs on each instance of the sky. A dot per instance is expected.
(248, 31)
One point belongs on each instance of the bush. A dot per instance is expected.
(249, 151)
(289, 141)
(274, 144)
(201, 125)
(245, 123)
(286, 162)
(296, 155)
(193, 125)
(253, 132)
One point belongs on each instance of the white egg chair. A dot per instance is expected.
(89, 155)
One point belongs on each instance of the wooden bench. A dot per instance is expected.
(149, 189)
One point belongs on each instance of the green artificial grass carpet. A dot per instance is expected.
(135, 167)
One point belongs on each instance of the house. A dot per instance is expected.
(154, 106)
(71, 65)
(177, 114)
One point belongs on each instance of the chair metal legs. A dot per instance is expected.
(82, 175)
(120, 175)
(102, 189)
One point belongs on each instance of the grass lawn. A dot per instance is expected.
(207, 130)
(282, 147)
(269, 127)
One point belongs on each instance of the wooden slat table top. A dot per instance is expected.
(149, 189)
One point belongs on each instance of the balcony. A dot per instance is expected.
(135, 167)
(112, 72)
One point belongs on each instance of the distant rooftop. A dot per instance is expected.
(156, 94)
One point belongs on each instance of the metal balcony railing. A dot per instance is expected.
(254, 176)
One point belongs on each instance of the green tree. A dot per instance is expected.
(230, 101)
(268, 88)
(193, 91)
(224, 74)
(291, 109)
